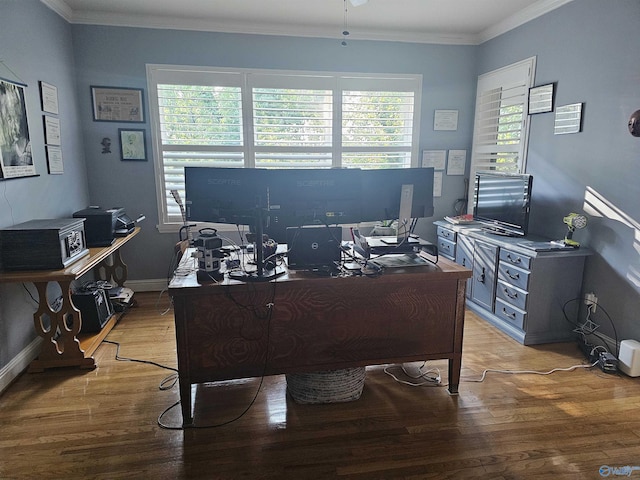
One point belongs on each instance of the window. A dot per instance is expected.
(501, 120)
(267, 119)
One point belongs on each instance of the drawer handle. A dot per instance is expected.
(482, 276)
(513, 295)
(514, 260)
(512, 276)
(507, 314)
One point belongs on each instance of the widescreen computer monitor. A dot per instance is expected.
(314, 196)
(382, 191)
(225, 195)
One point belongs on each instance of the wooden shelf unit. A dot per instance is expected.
(64, 345)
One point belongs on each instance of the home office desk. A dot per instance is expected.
(301, 322)
(63, 345)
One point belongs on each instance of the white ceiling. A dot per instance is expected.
(430, 21)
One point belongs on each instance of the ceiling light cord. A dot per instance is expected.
(345, 31)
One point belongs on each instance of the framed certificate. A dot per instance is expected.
(113, 104)
(51, 130)
(49, 97)
(541, 98)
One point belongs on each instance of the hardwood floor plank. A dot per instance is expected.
(102, 424)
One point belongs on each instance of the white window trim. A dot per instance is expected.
(335, 81)
(520, 73)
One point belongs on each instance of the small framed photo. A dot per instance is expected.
(113, 104)
(541, 98)
(133, 145)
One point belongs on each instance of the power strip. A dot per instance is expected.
(608, 363)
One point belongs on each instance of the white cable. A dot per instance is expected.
(518, 372)
(430, 381)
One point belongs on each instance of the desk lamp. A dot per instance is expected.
(574, 221)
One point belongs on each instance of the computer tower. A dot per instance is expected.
(95, 307)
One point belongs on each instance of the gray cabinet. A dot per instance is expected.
(520, 291)
(483, 289)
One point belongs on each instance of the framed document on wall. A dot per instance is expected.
(114, 104)
(541, 98)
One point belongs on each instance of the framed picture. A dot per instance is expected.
(15, 144)
(541, 98)
(568, 119)
(54, 160)
(51, 130)
(113, 104)
(133, 145)
(48, 97)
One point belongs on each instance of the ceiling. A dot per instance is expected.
(424, 21)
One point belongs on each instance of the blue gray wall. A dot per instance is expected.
(36, 44)
(586, 46)
(589, 48)
(117, 57)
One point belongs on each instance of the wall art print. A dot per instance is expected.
(15, 145)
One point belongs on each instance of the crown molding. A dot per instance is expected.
(523, 16)
(536, 10)
(61, 8)
(285, 29)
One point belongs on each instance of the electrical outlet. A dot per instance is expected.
(591, 300)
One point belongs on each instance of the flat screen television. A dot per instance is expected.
(501, 202)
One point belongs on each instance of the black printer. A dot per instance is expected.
(103, 225)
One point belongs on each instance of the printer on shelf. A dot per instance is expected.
(103, 225)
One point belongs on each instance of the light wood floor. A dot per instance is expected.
(74, 424)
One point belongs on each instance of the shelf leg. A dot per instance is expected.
(61, 347)
(116, 270)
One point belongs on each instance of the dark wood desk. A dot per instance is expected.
(305, 323)
(63, 345)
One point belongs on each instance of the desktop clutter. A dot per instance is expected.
(317, 249)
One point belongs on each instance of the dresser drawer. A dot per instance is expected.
(506, 312)
(514, 275)
(511, 295)
(446, 248)
(446, 233)
(516, 259)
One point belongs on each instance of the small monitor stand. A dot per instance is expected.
(404, 218)
(261, 274)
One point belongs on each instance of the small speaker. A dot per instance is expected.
(95, 307)
(629, 358)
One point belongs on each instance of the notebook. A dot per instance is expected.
(313, 248)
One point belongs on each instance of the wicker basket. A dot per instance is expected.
(326, 387)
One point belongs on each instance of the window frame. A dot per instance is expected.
(518, 76)
(246, 79)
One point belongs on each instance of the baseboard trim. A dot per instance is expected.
(19, 364)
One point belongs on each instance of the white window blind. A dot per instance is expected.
(292, 128)
(255, 118)
(377, 129)
(501, 119)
